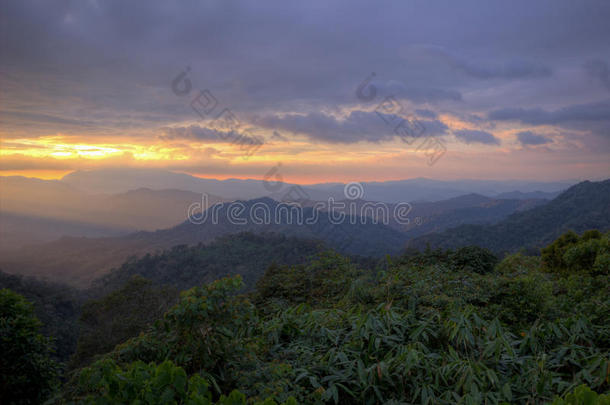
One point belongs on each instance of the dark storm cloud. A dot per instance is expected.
(531, 138)
(599, 111)
(115, 60)
(357, 126)
(475, 136)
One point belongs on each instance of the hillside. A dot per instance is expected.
(184, 266)
(581, 207)
(78, 261)
(467, 209)
(17, 231)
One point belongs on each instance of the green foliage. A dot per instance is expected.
(553, 254)
(184, 266)
(166, 383)
(474, 258)
(56, 305)
(570, 253)
(583, 395)
(106, 383)
(518, 263)
(430, 327)
(325, 279)
(28, 375)
(119, 316)
(206, 330)
(521, 300)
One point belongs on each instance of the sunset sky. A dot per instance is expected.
(512, 90)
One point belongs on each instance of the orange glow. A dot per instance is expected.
(39, 174)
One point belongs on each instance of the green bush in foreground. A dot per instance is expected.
(439, 327)
(572, 253)
(583, 395)
(106, 383)
(28, 375)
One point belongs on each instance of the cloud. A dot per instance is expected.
(278, 137)
(98, 70)
(599, 111)
(414, 93)
(531, 138)
(510, 70)
(599, 70)
(198, 133)
(426, 113)
(43, 119)
(475, 136)
(480, 68)
(358, 126)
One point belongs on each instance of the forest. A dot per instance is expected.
(427, 327)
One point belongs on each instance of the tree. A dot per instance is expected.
(474, 258)
(28, 375)
(120, 315)
(589, 253)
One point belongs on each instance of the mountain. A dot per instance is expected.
(17, 230)
(77, 261)
(468, 209)
(422, 189)
(531, 195)
(426, 217)
(581, 207)
(35, 211)
(112, 181)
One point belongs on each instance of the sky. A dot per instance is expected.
(324, 91)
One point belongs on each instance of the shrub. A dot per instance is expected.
(583, 395)
(589, 253)
(474, 258)
(581, 256)
(518, 263)
(166, 383)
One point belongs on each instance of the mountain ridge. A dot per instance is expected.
(583, 206)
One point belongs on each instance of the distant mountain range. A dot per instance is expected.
(115, 202)
(112, 181)
(581, 207)
(426, 217)
(467, 209)
(43, 210)
(78, 260)
(34, 211)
